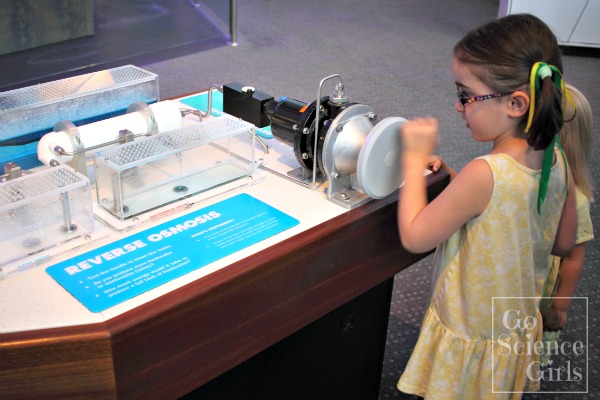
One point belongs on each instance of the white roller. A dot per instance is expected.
(165, 114)
(104, 131)
(48, 142)
(378, 167)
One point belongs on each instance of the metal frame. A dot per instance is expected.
(232, 20)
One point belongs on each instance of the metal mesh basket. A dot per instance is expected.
(17, 192)
(41, 210)
(77, 99)
(174, 141)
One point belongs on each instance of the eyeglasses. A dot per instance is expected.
(464, 97)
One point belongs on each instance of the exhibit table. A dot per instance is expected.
(309, 305)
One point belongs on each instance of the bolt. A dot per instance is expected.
(305, 131)
(339, 128)
(180, 189)
(69, 229)
(305, 156)
(372, 116)
(343, 196)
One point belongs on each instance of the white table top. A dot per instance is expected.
(33, 300)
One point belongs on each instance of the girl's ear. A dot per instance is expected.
(518, 104)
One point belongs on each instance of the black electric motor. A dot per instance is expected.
(293, 121)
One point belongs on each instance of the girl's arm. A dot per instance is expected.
(555, 317)
(424, 226)
(565, 238)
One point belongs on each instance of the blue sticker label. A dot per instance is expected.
(128, 267)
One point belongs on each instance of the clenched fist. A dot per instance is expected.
(420, 135)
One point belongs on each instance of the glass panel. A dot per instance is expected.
(153, 29)
(218, 11)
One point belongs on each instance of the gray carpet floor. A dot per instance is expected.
(393, 55)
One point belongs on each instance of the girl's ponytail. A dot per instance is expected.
(546, 116)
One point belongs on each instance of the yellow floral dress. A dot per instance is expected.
(488, 277)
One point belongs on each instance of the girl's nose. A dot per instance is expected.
(458, 106)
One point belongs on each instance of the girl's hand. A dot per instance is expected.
(554, 320)
(420, 135)
(436, 162)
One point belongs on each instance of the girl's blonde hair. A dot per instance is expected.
(576, 138)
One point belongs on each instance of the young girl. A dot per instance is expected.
(497, 221)
(576, 137)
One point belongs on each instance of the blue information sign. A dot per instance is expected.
(133, 265)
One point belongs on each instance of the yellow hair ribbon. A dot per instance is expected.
(532, 91)
(569, 98)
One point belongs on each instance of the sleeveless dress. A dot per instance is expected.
(488, 277)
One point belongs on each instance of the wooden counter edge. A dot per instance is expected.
(188, 337)
(58, 363)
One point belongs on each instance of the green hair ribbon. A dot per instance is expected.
(539, 72)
